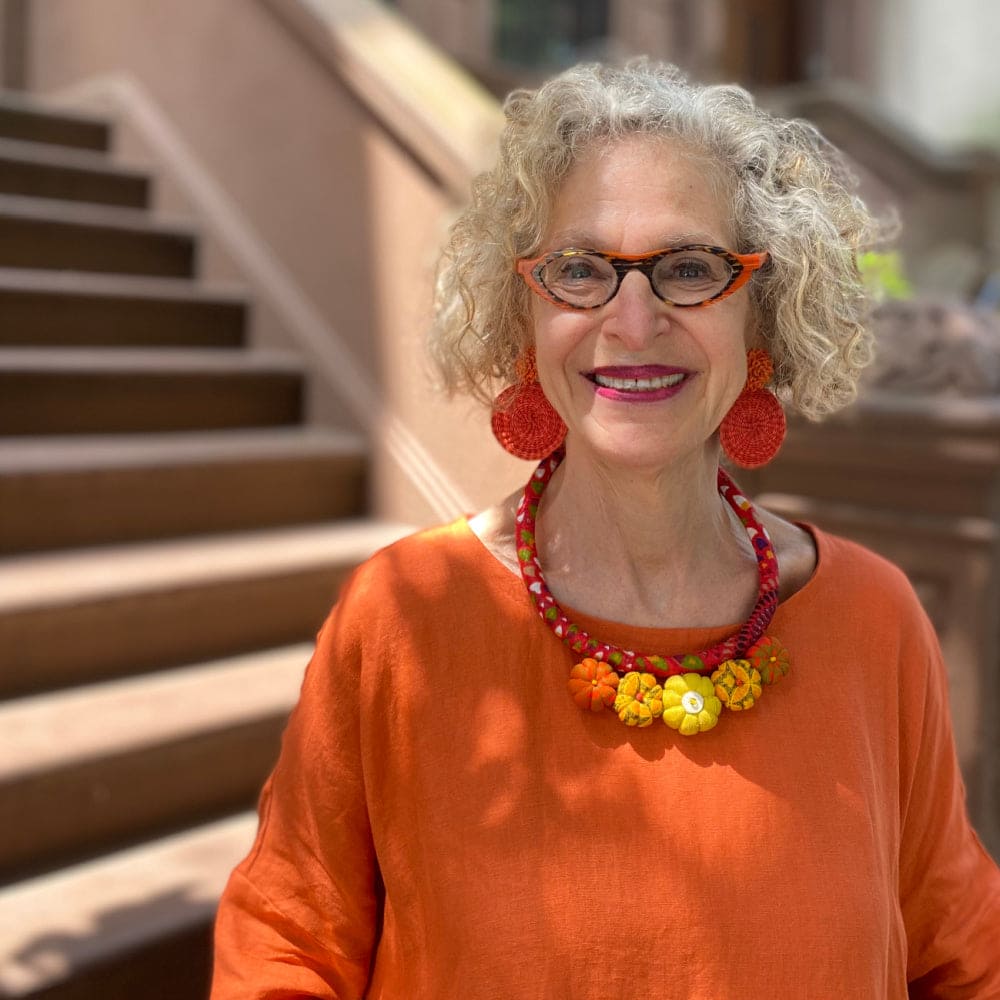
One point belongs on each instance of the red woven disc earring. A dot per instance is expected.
(752, 431)
(523, 420)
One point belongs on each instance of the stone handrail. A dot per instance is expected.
(848, 116)
(440, 115)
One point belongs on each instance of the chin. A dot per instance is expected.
(637, 448)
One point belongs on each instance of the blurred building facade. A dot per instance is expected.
(928, 62)
(758, 42)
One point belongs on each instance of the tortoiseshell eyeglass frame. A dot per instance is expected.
(742, 266)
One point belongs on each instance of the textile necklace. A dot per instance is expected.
(686, 691)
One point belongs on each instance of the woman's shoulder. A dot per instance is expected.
(422, 567)
(818, 563)
(420, 579)
(425, 550)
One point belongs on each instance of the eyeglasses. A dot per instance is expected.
(687, 276)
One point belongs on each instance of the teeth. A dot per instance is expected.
(638, 384)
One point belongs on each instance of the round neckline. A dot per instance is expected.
(664, 640)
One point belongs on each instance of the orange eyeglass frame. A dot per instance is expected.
(743, 266)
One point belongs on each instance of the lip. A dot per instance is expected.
(637, 372)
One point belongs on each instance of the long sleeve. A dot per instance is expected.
(299, 915)
(949, 887)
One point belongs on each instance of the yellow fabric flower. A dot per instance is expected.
(737, 684)
(690, 704)
(639, 700)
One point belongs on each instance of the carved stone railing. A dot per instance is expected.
(916, 477)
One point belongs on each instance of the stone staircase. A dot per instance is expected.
(171, 535)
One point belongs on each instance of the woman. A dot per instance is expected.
(759, 797)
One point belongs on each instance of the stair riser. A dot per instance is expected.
(31, 126)
(58, 647)
(48, 244)
(42, 180)
(173, 967)
(87, 507)
(84, 403)
(64, 815)
(46, 320)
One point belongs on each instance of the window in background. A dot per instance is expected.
(764, 41)
(549, 34)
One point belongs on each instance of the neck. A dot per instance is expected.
(627, 545)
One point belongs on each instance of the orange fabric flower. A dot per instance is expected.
(737, 684)
(770, 658)
(593, 684)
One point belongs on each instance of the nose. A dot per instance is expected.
(635, 316)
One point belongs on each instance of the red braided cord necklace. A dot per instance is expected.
(662, 666)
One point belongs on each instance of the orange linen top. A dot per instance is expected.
(444, 822)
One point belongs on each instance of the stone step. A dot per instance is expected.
(65, 235)
(70, 618)
(117, 390)
(134, 924)
(29, 120)
(80, 309)
(40, 170)
(60, 492)
(93, 768)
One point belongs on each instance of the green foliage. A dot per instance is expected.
(883, 274)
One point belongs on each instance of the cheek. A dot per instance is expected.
(729, 359)
(739, 378)
(560, 339)
(742, 332)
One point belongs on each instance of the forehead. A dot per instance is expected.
(641, 190)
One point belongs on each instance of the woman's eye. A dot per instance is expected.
(690, 269)
(576, 270)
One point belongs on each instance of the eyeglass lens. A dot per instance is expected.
(688, 277)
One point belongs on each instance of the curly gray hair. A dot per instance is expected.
(791, 195)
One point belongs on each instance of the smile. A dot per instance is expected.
(638, 384)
